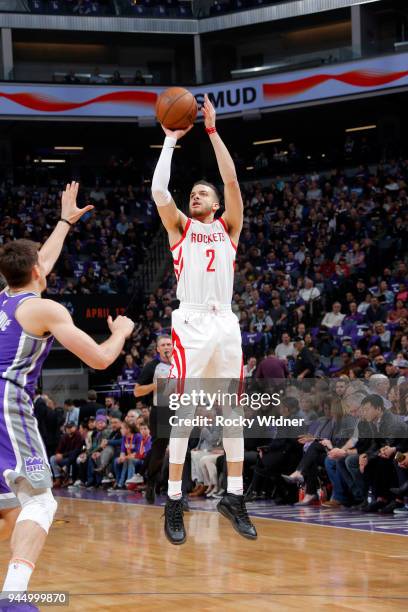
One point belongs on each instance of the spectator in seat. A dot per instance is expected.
(71, 412)
(309, 308)
(388, 435)
(250, 368)
(111, 445)
(333, 318)
(341, 462)
(96, 78)
(139, 79)
(380, 385)
(129, 460)
(130, 371)
(281, 454)
(91, 407)
(286, 349)
(111, 406)
(304, 363)
(326, 433)
(116, 78)
(375, 312)
(99, 434)
(398, 314)
(68, 450)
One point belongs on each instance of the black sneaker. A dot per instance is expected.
(186, 507)
(173, 521)
(150, 492)
(233, 508)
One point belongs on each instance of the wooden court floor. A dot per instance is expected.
(113, 556)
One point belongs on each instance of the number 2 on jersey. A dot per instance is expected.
(211, 254)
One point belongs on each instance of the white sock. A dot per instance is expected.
(174, 489)
(18, 576)
(235, 485)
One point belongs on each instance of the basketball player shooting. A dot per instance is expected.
(205, 332)
(28, 325)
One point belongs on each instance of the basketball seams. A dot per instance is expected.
(187, 114)
(174, 101)
(176, 121)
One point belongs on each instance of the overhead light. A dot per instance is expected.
(361, 128)
(323, 154)
(50, 161)
(161, 146)
(309, 157)
(249, 167)
(261, 142)
(68, 148)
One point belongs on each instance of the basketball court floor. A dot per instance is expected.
(109, 552)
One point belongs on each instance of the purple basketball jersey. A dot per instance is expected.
(21, 355)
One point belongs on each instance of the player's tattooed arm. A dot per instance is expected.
(70, 212)
(234, 207)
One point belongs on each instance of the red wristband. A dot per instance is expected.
(211, 130)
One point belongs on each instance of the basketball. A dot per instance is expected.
(176, 108)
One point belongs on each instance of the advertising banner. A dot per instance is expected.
(104, 101)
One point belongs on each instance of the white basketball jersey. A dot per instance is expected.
(204, 261)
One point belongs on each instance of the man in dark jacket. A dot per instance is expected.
(68, 450)
(304, 364)
(282, 453)
(388, 434)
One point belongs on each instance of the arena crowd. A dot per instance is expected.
(321, 291)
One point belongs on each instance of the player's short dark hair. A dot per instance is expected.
(17, 259)
(212, 186)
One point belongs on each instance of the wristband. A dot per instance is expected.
(211, 130)
(67, 222)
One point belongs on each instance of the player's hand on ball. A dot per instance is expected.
(208, 112)
(121, 324)
(69, 208)
(176, 133)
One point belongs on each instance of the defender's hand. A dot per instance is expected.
(69, 208)
(121, 324)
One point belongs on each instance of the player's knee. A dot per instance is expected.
(38, 506)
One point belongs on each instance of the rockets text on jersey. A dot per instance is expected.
(204, 261)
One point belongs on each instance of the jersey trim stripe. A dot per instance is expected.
(183, 235)
(182, 373)
(224, 225)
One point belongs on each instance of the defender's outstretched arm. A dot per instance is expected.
(51, 249)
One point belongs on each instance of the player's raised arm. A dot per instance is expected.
(234, 207)
(42, 316)
(70, 214)
(173, 219)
